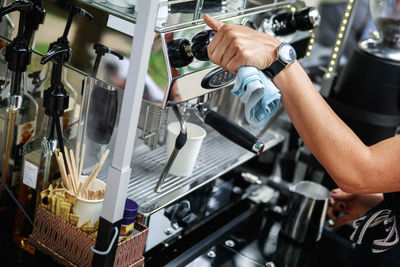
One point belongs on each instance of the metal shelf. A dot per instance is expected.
(177, 19)
(124, 13)
(217, 156)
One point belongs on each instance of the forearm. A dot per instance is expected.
(354, 166)
(330, 140)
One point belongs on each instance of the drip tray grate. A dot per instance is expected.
(217, 156)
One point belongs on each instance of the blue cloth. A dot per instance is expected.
(258, 93)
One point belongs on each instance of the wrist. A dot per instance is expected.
(270, 51)
(282, 79)
(286, 57)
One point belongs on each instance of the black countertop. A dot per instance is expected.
(247, 247)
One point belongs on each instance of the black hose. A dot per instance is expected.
(60, 137)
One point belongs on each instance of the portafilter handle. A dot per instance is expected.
(233, 132)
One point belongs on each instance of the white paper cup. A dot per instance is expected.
(89, 209)
(187, 156)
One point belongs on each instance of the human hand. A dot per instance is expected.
(234, 46)
(352, 206)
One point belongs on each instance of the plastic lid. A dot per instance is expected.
(130, 210)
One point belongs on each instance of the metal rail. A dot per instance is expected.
(120, 171)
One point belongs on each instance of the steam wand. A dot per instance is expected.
(224, 126)
(179, 143)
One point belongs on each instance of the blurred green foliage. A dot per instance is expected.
(157, 68)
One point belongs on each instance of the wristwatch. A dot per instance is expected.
(286, 55)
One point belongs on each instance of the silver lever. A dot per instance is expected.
(198, 9)
(179, 143)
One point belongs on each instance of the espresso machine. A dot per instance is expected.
(180, 84)
(366, 94)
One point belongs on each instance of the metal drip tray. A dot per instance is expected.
(217, 156)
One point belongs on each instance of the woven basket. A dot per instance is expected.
(69, 246)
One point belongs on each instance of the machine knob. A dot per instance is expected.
(287, 22)
(180, 214)
(179, 53)
(200, 43)
(248, 23)
(280, 23)
(186, 221)
(306, 19)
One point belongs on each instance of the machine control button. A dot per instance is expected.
(220, 78)
(211, 254)
(230, 243)
(168, 231)
(217, 78)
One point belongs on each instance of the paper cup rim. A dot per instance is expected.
(88, 200)
(202, 136)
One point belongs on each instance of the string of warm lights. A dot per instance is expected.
(339, 41)
(310, 43)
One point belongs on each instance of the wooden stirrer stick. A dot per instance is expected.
(82, 161)
(62, 172)
(74, 169)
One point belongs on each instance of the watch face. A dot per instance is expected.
(287, 53)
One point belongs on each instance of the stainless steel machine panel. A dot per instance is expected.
(184, 81)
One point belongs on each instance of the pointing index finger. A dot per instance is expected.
(213, 23)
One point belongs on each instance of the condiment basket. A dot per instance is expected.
(69, 246)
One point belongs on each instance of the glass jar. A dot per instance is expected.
(386, 15)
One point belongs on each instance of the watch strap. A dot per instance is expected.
(275, 68)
